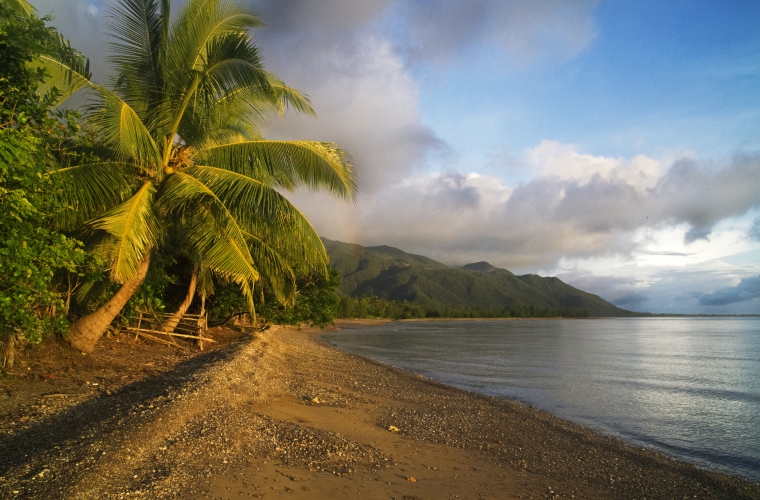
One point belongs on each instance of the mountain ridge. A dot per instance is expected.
(393, 274)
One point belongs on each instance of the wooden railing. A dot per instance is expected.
(190, 327)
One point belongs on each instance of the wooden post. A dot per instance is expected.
(139, 323)
(202, 320)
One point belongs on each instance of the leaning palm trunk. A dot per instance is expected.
(85, 332)
(172, 322)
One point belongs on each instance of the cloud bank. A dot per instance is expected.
(576, 206)
(747, 289)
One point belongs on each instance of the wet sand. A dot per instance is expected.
(286, 416)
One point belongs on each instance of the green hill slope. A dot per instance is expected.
(393, 274)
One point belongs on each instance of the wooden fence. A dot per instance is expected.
(192, 327)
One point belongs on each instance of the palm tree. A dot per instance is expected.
(180, 153)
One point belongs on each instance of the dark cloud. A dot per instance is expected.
(747, 289)
(426, 31)
(689, 193)
(83, 22)
(701, 196)
(631, 301)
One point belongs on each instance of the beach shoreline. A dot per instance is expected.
(285, 415)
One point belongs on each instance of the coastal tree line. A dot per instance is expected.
(374, 307)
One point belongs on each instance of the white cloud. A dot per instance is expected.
(627, 211)
(564, 162)
(367, 102)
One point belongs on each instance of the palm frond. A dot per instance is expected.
(122, 130)
(133, 228)
(201, 21)
(67, 70)
(286, 96)
(212, 233)
(273, 268)
(91, 189)
(317, 165)
(137, 27)
(232, 89)
(232, 62)
(263, 213)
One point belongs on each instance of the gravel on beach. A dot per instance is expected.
(283, 415)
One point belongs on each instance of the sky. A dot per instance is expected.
(614, 144)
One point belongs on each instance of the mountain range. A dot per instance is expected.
(393, 274)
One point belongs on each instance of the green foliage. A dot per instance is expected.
(31, 253)
(152, 296)
(21, 40)
(226, 302)
(316, 303)
(33, 256)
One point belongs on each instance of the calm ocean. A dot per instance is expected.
(688, 387)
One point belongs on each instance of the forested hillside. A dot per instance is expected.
(394, 275)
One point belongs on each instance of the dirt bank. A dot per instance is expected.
(282, 415)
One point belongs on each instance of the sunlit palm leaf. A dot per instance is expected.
(317, 165)
(134, 229)
(200, 22)
(137, 27)
(122, 130)
(66, 69)
(286, 96)
(91, 189)
(274, 269)
(265, 214)
(212, 231)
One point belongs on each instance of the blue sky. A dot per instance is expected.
(615, 144)
(657, 78)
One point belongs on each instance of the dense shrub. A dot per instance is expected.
(31, 254)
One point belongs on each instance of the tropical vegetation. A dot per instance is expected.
(178, 160)
(32, 255)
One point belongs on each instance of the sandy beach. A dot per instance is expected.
(283, 415)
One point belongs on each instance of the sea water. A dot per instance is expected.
(688, 387)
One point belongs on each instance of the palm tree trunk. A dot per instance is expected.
(85, 332)
(172, 322)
